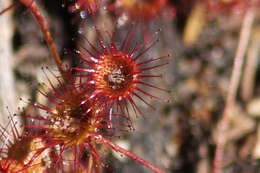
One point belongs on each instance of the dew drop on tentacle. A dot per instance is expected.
(83, 14)
(110, 118)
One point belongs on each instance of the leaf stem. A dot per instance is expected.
(31, 4)
(117, 148)
(233, 87)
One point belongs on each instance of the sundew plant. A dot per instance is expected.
(102, 86)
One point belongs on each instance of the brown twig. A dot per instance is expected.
(117, 148)
(8, 8)
(233, 87)
(247, 85)
(32, 6)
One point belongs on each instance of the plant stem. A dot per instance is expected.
(233, 87)
(31, 4)
(117, 148)
(250, 70)
(8, 8)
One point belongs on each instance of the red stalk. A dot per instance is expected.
(31, 4)
(117, 148)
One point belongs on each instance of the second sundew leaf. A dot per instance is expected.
(141, 11)
(72, 121)
(20, 150)
(85, 7)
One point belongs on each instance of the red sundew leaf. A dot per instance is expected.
(85, 7)
(229, 7)
(18, 147)
(116, 73)
(11, 166)
(142, 11)
(71, 121)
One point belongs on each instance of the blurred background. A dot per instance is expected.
(201, 38)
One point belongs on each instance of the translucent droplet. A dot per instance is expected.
(83, 14)
(80, 31)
